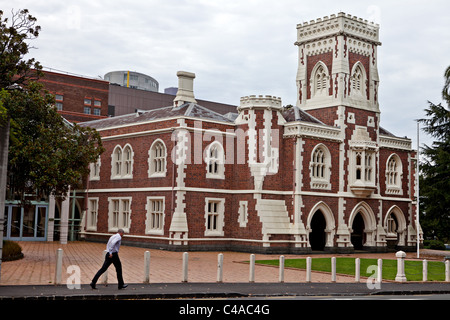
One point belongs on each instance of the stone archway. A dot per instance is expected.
(317, 237)
(395, 226)
(363, 219)
(358, 237)
(321, 227)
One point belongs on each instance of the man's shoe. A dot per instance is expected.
(92, 285)
(123, 287)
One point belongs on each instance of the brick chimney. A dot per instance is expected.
(185, 91)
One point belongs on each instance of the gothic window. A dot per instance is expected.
(320, 167)
(122, 162)
(94, 172)
(128, 161)
(357, 80)
(215, 160)
(320, 80)
(117, 162)
(393, 175)
(157, 159)
(368, 170)
(358, 166)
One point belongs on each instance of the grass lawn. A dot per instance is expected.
(413, 269)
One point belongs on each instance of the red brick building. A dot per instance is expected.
(78, 99)
(322, 175)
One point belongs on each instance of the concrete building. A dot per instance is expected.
(322, 175)
(132, 79)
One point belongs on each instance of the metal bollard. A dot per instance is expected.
(147, 267)
(281, 275)
(333, 269)
(220, 267)
(185, 267)
(308, 269)
(252, 268)
(58, 271)
(357, 270)
(400, 277)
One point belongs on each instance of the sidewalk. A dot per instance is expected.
(34, 274)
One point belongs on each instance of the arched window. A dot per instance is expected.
(320, 80)
(128, 161)
(117, 162)
(357, 80)
(157, 159)
(320, 167)
(215, 160)
(394, 175)
(122, 162)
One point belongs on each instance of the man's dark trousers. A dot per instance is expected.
(108, 261)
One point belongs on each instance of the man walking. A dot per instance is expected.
(112, 256)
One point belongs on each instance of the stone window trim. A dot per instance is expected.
(157, 159)
(394, 175)
(215, 161)
(92, 214)
(320, 167)
(320, 80)
(122, 160)
(154, 222)
(214, 217)
(94, 170)
(119, 214)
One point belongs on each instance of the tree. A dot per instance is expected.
(435, 169)
(47, 155)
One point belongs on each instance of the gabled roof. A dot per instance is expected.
(185, 110)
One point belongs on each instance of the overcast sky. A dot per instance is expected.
(243, 47)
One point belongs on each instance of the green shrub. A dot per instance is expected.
(11, 251)
(434, 244)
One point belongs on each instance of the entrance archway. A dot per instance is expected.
(317, 237)
(358, 236)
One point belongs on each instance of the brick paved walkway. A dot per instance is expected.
(38, 265)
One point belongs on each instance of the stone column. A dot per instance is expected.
(401, 277)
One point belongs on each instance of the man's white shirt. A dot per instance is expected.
(114, 243)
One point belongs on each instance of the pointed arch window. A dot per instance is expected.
(215, 160)
(320, 80)
(357, 80)
(394, 175)
(157, 159)
(122, 162)
(320, 167)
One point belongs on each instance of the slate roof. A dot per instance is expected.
(297, 114)
(186, 110)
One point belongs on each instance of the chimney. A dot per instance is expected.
(185, 91)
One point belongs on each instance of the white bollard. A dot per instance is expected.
(252, 268)
(425, 270)
(380, 271)
(357, 270)
(447, 270)
(333, 269)
(58, 271)
(147, 267)
(104, 278)
(281, 275)
(185, 267)
(400, 277)
(308, 269)
(220, 267)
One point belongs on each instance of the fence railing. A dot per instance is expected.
(378, 269)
